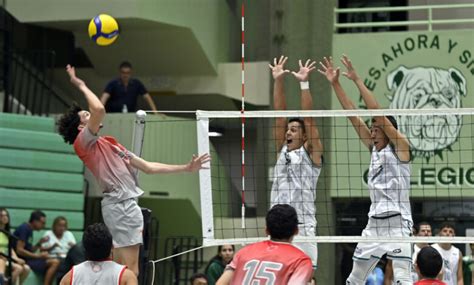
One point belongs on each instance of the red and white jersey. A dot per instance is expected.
(271, 263)
(97, 272)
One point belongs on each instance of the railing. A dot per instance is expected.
(429, 22)
(27, 81)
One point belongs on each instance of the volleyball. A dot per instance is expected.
(103, 29)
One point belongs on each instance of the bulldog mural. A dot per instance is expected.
(427, 88)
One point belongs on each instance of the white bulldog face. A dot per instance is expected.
(427, 88)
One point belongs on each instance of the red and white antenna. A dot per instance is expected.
(242, 111)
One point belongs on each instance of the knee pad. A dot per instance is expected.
(402, 272)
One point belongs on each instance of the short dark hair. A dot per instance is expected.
(282, 221)
(418, 226)
(196, 276)
(125, 64)
(36, 216)
(392, 120)
(69, 122)
(447, 225)
(97, 242)
(300, 121)
(429, 262)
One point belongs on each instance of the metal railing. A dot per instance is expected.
(429, 22)
(27, 83)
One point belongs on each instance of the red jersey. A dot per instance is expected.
(430, 282)
(269, 263)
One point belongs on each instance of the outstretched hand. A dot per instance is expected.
(328, 70)
(303, 73)
(350, 73)
(71, 71)
(197, 162)
(277, 68)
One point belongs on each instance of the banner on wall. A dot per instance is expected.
(428, 70)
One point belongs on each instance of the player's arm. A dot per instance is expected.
(67, 278)
(196, 163)
(150, 101)
(332, 75)
(96, 108)
(459, 273)
(226, 277)
(313, 143)
(402, 146)
(128, 278)
(104, 98)
(279, 102)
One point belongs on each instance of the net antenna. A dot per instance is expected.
(243, 118)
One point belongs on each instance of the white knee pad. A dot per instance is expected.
(361, 270)
(402, 272)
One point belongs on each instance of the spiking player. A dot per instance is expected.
(388, 181)
(299, 155)
(114, 168)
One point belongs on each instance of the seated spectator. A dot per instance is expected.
(428, 265)
(58, 240)
(198, 279)
(76, 255)
(40, 262)
(217, 264)
(99, 267)
(19, 269)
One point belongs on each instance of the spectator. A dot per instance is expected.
(19, 269)
(422, 229)
(198, 279)
(468, 266)
(428, 265)
(217, 264)
(76, 255)
(99, 267)
(121, 94)
(58, 240)
(452, 257)
(40, 263)
(378, 274)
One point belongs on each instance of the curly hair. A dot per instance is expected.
(282, 221)
(97, 242)
(69, 122)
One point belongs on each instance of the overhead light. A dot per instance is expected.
(215, 134)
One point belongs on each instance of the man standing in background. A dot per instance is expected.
(121, 94)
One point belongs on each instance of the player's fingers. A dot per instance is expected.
(307, 62)
(323, 66)
(274, 61)
(284, 60)
(322, 72)
(281, 58)
(312, 64)
(326, 61)
(300, 63)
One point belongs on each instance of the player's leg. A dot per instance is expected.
(125, 222)
(128, 256)
(361, 270)
(402, 271)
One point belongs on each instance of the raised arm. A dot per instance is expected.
(96, 108)
(399, 140)
(332, 75)
(279, 102)
(195, 164)
(104, 98)
(313, 143)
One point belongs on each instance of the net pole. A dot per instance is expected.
(138, 134)
(242, 111)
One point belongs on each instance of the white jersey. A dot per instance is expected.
(450, 263)
(416, 250)
(294, 182)
(97, 273)
(389, 184)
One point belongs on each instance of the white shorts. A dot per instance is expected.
(311, 249)
(125, 222)
(389, 227)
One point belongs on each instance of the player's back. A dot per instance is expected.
(270, 262)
